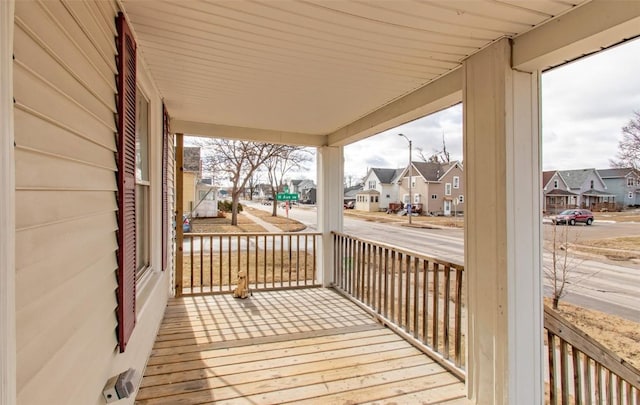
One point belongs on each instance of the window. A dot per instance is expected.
(434, 196)
(555, 184)
(456, 182)
(416, 198)
(630, 195)
(447, 189)
(388, 195)
(372, 184)
(591, 185)
(461, 199)
(630, 182)
(405, 198)
(142, 185)
(413, 182)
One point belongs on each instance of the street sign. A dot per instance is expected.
(287, 197)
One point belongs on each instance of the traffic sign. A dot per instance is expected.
(287, 197)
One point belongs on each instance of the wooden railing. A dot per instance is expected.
(582, 371)
(270, 261)
(419, 297)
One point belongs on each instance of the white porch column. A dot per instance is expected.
(503, 229)
(329, 202)
(7, 211)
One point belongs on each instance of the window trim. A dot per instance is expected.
(456, 182)
(447, 189)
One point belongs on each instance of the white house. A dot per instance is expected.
(95, 94)
(385, 182)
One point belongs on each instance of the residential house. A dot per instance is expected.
(624, 184)
(590, 189)
(437, 188)
(349, 194)
(557, 196)
(192, 173)
(306, 190)
(385, 181)
(206, 203)
(88, 166)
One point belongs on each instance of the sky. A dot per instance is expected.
(584, 106)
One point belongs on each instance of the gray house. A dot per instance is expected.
(591, 190)
(624, 183)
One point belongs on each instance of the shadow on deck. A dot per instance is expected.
(295, 346)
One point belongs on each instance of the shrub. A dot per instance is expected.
(225, 206)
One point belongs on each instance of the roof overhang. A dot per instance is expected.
(319, 73)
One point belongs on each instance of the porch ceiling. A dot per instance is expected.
(311, 71)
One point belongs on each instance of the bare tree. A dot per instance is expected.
(253, 182)
(438, 156)
(561, 271)
(629, 146)
(239, 160)
(280, 164)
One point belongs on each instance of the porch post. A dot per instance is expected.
(179, 213)
(503, 229)
(7, 211)
(330, 200)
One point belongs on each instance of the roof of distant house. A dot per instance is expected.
(616, 173)
(547, 176)
(386, 176)
(575, 178)
(431, 171)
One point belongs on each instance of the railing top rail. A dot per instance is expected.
(404, 251)
(235, 234)
(556, 324)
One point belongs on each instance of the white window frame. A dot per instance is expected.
(461, 199)
(434, 196)
(143, 185)
(447, 189)
(630, 195)
(372, 184)
(456, 181)
(555, 183)
(405, 198)
(630, 182)
(416, 198)
(412, 179)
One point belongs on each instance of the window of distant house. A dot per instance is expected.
(461, 199)
(405, 198)
(388, 195)
(413, 182)
(630, 194)
(555, 184)
(591, 185)
(434, 196)
(372, 184)
(416, 198)
(630, 182)
(142, 185)
(447, 189)
(456, 182)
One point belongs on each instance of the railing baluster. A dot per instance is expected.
(211, 263)
(435, 307)
(551, 346)
(446, 306)
(400, 289)
(282, 260)
(416, 296)
(458, 324)
(201, 263)
(264, 269)
(425, 302)
(564, 371)
(386, 283)
(257, 248)
(393, 285)
(407, 296)
(306, 253)
(297, 259)
(192, 269)
(577, 381)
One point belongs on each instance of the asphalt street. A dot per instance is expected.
(610, 287)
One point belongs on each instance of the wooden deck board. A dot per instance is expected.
(298, 346)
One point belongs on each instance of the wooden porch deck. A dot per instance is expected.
(295, 346)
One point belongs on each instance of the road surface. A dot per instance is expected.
(606, 286)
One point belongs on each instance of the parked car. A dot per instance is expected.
(349, 205)
(186, 224)
(572, 216)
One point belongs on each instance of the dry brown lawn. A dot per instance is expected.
(625, 216)
(223, 225)
(618, 334)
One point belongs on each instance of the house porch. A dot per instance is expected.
(307, 345)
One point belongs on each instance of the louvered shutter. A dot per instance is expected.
(126, 162)
(165, 191)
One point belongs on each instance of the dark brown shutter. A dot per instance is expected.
(165, 191)
(126, 161)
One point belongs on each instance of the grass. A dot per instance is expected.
(622, 248)
(624, 216)
(223, 225)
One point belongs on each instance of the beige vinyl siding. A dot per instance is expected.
(64, 87)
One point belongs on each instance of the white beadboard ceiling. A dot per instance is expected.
(313, 66)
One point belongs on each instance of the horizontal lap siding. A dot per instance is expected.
(64, 89)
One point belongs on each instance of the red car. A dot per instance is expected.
(572, 216)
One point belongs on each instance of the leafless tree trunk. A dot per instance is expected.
(280, 164)
(629, 146)
(560, 272)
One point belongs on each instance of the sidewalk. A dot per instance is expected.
(267, 226)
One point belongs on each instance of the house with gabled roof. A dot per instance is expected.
(588, 185)
(624, 184)
(557, 196)
(385, 182)
(437, 188)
